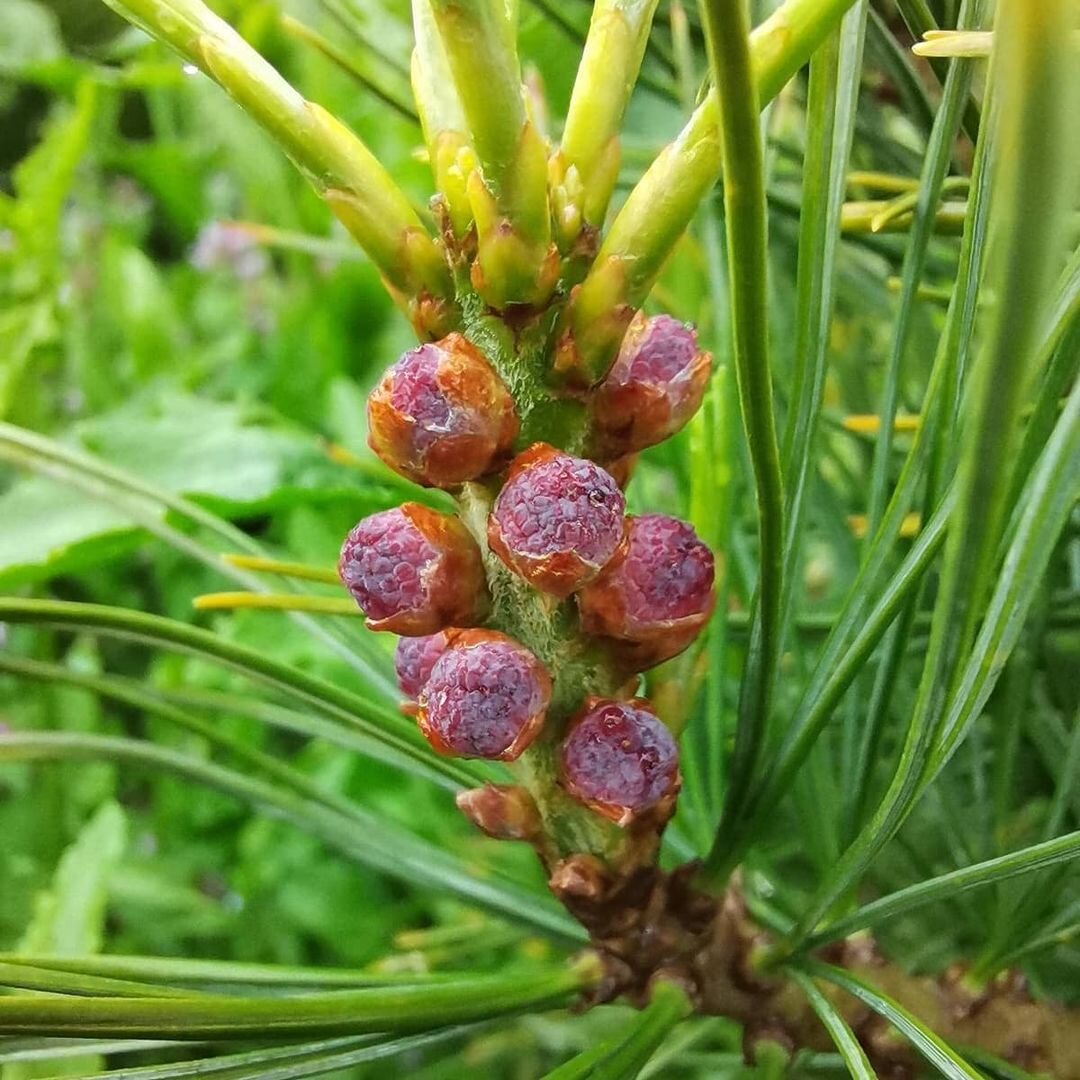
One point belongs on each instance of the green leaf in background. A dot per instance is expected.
(69, 916)
(228, 458)
(27, 34)
(69, 919)
(42, 182)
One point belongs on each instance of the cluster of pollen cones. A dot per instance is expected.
(640, 587)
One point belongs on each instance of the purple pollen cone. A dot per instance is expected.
(657, 596)
(414, 571)
(654, 387)
(558, 520)
(665, 349)
(414, 658)
(486, 697)
(619, 759)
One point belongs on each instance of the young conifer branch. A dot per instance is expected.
(516, 262)
(659, 209)
(614, 48)
(355, 186)
(442, 118)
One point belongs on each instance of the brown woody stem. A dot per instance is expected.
(647, 922)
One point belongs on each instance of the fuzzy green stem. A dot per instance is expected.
(339, 166)
(550, 630)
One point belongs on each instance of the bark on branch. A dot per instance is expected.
(651, 923)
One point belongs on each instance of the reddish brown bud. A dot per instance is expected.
(622, 469)
(414, 571)
(414, 658)
(580, 878)
(441, 416)
(502, 811)
(654, 387)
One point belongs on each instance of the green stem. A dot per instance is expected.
(663, 203)
(391, 737)
(946, 886)
(350, 1012)
(727, 32)
(610, 62)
